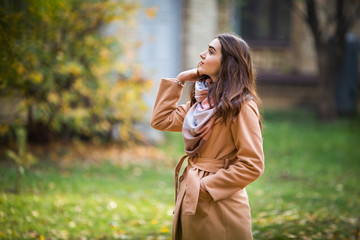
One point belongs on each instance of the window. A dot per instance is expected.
(265, 22)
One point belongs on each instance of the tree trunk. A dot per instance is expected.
(326, 86)
(37, 130)
(330, 49)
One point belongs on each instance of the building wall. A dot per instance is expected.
(200, 26)
(297, 57)
(160, 37)
(200, 21)
(302, 50)
(159, 53)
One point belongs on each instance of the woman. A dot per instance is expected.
(222, 133)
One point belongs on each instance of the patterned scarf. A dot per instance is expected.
(198, 121)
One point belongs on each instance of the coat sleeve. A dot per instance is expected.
(249, 164)
(166, 115)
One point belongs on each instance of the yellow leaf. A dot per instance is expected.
(4, 129)
(151, 12)
(35, 213)
(37, 77)
(20, 69)
(121, 67)
(72, 224)
(104, 53)
(53, 98)
(164, 230)
(71, 67)
(138, 44)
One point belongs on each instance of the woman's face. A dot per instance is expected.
(211, 60)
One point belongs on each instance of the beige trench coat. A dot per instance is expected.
(230, 159)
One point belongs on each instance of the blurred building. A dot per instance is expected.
(282, 45)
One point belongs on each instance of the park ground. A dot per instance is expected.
(309, 190)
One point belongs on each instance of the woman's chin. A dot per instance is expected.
(202, 72)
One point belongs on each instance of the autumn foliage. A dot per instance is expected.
(72, 75)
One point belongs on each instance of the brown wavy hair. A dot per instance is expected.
(236, 80)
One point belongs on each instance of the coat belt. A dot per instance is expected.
(193, 179)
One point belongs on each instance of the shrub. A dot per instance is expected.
(72, 78)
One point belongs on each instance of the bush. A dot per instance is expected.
(71, 77)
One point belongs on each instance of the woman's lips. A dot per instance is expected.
(202, 63)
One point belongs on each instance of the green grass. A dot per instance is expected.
(309, 190)
(96, 202)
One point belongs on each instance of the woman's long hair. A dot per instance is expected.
(236, 80)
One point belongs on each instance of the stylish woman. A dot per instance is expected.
(221, 128)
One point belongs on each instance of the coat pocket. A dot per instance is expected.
(204, 203)
(204, 195)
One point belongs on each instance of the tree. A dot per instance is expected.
(329, 22)
(72, 78)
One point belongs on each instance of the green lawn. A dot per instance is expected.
(310, 190)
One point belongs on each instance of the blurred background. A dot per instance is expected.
(78, 81)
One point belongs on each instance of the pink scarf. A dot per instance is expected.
(199, 120)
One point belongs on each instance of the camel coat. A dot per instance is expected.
(230, 159)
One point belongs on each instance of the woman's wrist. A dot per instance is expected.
(180, 83)
(180, 78)
(188, 75)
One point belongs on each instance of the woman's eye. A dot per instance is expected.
(210, 51)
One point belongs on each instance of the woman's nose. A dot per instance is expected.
(202, 55)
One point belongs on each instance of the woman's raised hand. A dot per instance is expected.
(188, 75)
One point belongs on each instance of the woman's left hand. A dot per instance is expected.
(189, 75)
(202, 186)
